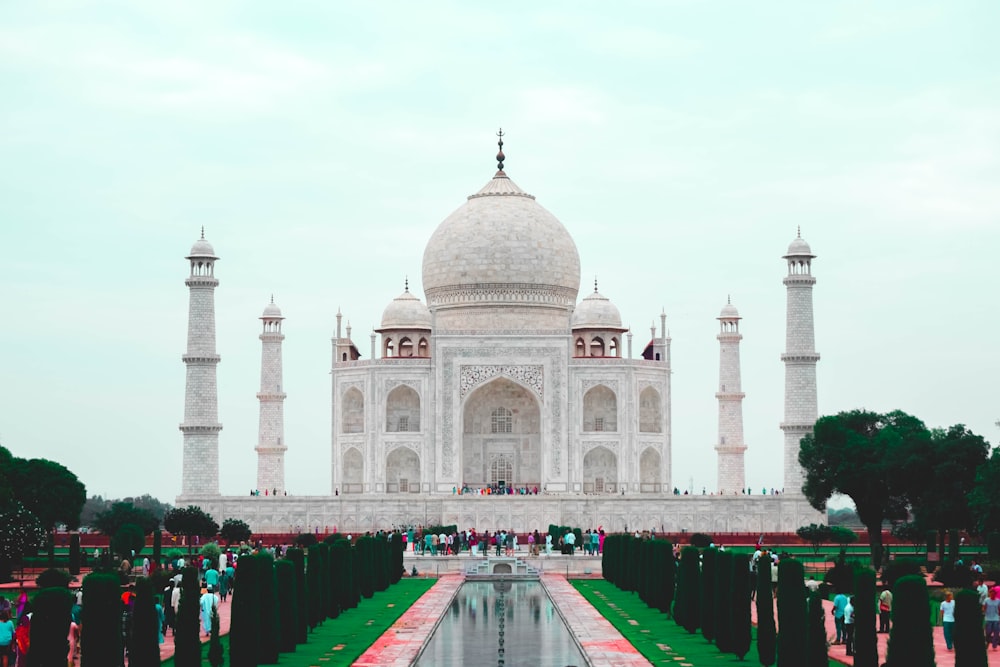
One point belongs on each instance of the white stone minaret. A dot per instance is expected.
(200, 472)
(800, 359)
(271, 431)
(730, 447)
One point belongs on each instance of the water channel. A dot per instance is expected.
(501, 623)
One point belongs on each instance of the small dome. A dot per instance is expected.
(272, 312)
(799, 248)
(596, 312)
(729, 312)
(406, 312)
(202, 248)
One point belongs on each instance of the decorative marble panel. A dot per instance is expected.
(531, 376)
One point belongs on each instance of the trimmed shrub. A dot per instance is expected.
(50, 621)
(700, 540)
(288, 607)
(954, 542)
(381, 563)
(157, 546)
(900, 567)
(686, 608)
(739, 624)
(365, 548)
(396, 558)
(668, 569)
(910, 639)
(103, 619)
(723, 604)
(314, 579)
(244, 622)
(865, 641)
(954, 577)
(792, 614)
(302, 616)
(816, 648)
(270, 620)
(970, 648)
(766, 633)
(128, 538)
(144, 646)
(305, 540)
(332, 591)
(993, 546)
(53, 578)
(215, 652)
(340, 559)
(708, 594)
(187, 637)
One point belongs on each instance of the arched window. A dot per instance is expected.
(389, 348)
(613, 350)
(422, 348)
(501, 421)
(597, 347)
(501, 470)
(581, 348)
(405, 347)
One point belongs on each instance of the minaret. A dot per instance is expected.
(800, 359)
(200, 472)
(730, 447)
(271, 431)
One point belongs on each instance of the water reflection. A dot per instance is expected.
(533, 633)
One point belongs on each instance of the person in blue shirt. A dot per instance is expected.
(839, 604)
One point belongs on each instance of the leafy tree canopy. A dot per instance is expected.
(235, 530)
(858, 454)
(943, 474)
(984, 499)
(48, 490)
(842, 535)
(190, 521)
(126, 539)
(815, 534)
(121, 513)
(21, 532)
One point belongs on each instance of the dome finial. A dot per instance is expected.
(799, 231)
(729, 299)
(406, 284)
(595, 284)
(203, 232)
(500, 156)
(272, 298)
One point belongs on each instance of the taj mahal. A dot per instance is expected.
(504, 377)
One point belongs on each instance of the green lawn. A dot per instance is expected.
(656, 637)
(342, 640)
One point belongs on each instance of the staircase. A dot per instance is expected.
(500, 567)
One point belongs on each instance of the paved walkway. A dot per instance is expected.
(167, 647)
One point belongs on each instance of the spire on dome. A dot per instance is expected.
(799, 231)
(203, 232)
(500, 155)
(406, 284)
(595, 284)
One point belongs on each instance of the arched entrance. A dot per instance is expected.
(600, 471)
(501, 436)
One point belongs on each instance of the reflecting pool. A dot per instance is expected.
(501, 623)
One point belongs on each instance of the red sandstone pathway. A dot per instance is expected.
(167, 647)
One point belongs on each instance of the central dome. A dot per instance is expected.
(501, 249)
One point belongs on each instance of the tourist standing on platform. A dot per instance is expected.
(991, 611)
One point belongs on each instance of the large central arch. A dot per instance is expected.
(501, 431)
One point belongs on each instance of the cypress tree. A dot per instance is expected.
(970, 647)
(102, 617)
(297, 557)
(766, 634)
(609, 568)
(187, 637)
(740, 622)
(365, 549)
(791, 614)
(816, 648)
(244, 621)
(144, 650)
(355, 581)
(723, 603)
(381, 563)
(688, 590)
(50, 620)
(325, 581)
(708, 593)
(74, 554)
(332, 590)
(911, 642)
(668, 567)
(340, 555)
(865, 640)
(157, 546)
(314, 569)
(267, 607)
(288, 607)
(396, 567)
(215, 652)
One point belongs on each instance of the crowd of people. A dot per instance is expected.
(500, 543)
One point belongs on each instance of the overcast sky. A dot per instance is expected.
(320, 144)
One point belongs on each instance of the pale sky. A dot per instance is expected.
(320, 144)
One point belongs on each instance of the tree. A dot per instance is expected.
(686, 609)
(707, 593)
(216, 657)
(302, 614)
(766, 633)
(842, 535)
(740, 605)
(103, 620)
(815, 534)
(128, 540)
(791, 614)
(144, 649)
(288, 607)
(21, 533)
(49, 491)
(816, 648)
(244, 630)
(910, 640)
(865, 641)
(235, 531)
(50, 627)
(984, 500)
(121, 513)
(187, 637)
(943, 474)
(190, 521)
(267, 605)
(365, 547)
(909, 531)
(724, 596)
(970, 649)
(858, 454)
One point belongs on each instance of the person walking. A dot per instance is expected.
(947, 616)
(6, 639)
(991, 612)
(849, 626)
(884, 609)
(839, 603)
